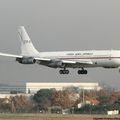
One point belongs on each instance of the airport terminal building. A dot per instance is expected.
(34, 87)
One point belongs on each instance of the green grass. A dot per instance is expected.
(48, 117)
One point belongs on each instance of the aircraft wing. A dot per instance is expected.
(55, 62)
(67, 63)
(89, 62)
(10, 55)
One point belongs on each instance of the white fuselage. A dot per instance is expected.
(99, 58)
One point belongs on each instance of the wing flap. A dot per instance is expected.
(77, 62)
(68, 62)
(43, 59)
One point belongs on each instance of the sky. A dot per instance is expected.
(58, 25)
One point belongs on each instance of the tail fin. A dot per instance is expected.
(27, 48)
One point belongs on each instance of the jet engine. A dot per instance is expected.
(56, 64)
(24, 60)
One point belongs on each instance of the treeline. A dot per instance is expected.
(50, 100)
(16, 104)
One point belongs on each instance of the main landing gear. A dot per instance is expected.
(82, 72)
(64, 71)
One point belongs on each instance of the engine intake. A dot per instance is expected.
(24, 60)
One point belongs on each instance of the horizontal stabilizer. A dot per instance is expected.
(10, 55)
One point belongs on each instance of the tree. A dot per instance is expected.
(20, 104)
(103, 100)
(43, 98)
(72, 89)
(62, 98)
(4, 105)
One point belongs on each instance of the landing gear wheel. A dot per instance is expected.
(64, 71)
(85, 72)
(82, 72)
(67, 71)
(61, 71)
(79, 71)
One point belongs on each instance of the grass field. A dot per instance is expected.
(48, 117)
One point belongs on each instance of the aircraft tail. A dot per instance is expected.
(27, 48)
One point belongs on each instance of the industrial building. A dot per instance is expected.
(11, 89)
(34, 87)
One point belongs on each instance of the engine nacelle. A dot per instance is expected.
(24, 60)
(56, 64)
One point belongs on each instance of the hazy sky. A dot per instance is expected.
(57, 25)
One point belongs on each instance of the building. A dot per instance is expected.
(34, 87)
(11, 89)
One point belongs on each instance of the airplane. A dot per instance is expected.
(64, 59)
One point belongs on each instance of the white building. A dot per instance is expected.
(34, 87)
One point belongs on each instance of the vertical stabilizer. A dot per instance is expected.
(27, 48)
